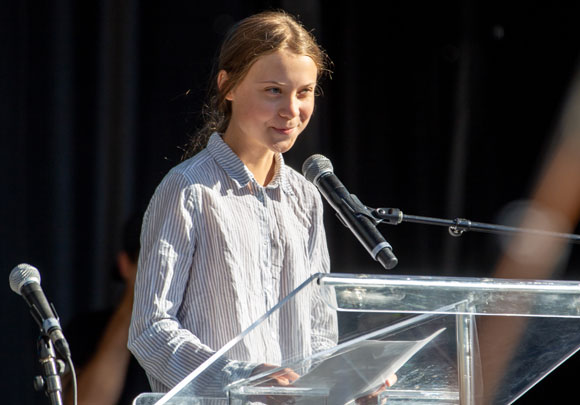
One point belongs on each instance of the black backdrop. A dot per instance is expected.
(441, 109)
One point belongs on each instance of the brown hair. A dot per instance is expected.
(249, 39)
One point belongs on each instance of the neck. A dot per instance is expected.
(263, 169)
(261, 162)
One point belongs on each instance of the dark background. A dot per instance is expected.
(442, 109)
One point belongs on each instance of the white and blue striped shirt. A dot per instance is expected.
(217, 251)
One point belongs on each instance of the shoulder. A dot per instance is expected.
(190, 174)
(194, 169)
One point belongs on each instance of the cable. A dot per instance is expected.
(74, 379)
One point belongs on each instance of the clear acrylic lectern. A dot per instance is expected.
(448, 340)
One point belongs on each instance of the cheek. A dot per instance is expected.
(258, 110)
(247, 113)
(307, 110)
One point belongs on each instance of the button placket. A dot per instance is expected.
(265, 253)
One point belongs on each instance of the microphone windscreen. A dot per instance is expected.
(21, 275)
(315, 166)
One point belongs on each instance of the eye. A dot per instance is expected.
(274, 90)
(306, 91)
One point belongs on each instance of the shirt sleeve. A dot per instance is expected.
(164, 348)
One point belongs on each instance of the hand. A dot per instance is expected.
(281, 378)
(373, 399)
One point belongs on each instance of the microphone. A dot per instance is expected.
(353, 214)
(25, 281)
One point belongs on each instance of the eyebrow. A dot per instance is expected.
(283, 84)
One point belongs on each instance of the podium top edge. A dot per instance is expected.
(473, 283)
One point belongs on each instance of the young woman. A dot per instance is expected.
(232, 230)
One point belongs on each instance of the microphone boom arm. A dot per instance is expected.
(458, 226)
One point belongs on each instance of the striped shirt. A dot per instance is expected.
(217, 251)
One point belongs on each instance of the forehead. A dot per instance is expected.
(283, 66)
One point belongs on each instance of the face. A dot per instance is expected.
(272, 105)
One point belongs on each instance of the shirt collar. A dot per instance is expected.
(237, 170)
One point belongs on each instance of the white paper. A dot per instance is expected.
(358, 369)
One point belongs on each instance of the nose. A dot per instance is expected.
(290, 107)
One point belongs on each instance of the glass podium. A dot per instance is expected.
(448, 341)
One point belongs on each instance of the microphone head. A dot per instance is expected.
(21, 275)
(315, 166)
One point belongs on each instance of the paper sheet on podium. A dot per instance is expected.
(357, 369)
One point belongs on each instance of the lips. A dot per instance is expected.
(284, 130)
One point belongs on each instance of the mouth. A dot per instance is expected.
(284, 131)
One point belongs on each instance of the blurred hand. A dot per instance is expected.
(372, 399)
(280, 378)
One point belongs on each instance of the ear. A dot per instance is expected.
(222, 78)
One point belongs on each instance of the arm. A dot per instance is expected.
(102, 379)
(165, 349)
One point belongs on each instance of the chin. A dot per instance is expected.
(282, 147)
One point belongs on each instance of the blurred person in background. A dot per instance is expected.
(107, 373)
(554, 206)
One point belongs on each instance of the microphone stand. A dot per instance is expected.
(52, 368)
(458, 226)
